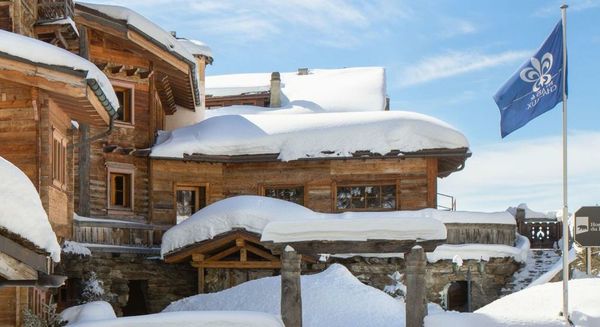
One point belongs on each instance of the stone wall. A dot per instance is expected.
(166, 282)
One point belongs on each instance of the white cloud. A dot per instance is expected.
(455, 63)
(574, 6)
(456, 27)
(509, 173)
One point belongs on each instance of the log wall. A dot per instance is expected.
(319, 178)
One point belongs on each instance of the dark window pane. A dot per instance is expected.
(292, 194)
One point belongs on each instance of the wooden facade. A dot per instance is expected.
(415, 181)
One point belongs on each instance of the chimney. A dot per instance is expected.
(302, 71)
(174, 34)
(275, 90)
(520, 216)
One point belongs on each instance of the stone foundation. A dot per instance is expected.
(165, 282)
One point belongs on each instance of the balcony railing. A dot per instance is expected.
(51, 10)
(449, 202)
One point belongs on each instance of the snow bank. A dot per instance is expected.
(92, 311)
(331, 298)
(76, 248)
(347, 89)
(361, 228)
(537, 306)
(529, 214)
(44, 53)
(311, 135)
(254, 213)
(21, 210)
(179, 319)
(481, 251)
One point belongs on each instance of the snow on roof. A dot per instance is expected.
(346, 89)
(529, 214)
(469, 217)
(101, 314)
(356, 226)
(144, 25)
(311, 135)
(537, 306)
(195, 47)
(331, 298)
(40, 52)
(481, 251)
(21, 210)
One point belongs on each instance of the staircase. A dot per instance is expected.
(538, 263)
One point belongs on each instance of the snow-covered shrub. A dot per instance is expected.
(397, 289)
(52, 319)
(93, 290)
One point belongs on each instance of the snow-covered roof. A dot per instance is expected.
(330, 298)
(21, 210)
(39, 52)
(277, 219)
(311, 135)
(519, 252)
(529, 214)
(195, 47)
(346, 89)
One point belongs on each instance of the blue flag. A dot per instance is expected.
(535, 88)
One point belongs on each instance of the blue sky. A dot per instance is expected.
(443, 58)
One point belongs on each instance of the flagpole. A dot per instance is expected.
(565, 215)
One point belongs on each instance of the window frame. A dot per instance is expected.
(121, 169)
(59, 159)
(263, 190)
(367, 183)
(189, 186)
(129, 87)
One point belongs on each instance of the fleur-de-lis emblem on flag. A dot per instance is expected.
(539, 73)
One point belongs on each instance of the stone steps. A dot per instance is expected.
(538, 263)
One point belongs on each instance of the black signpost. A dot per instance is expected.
(587, 231)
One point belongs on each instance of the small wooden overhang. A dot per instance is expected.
(82, 99)
(180, 71)
(237, 249)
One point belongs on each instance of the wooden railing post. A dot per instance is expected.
(291, 297)
(416, 292)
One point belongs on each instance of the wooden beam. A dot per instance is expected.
(34, 260)
(13, 269)
(145, 74)
(201, 280)
(98, 106)
(223, 254)
(261, 253)
(369, 246)
(157, 51)
(243, 255)
(291, 295)
(210, 245)
(115, 69)
(132, 71)
(238, 264)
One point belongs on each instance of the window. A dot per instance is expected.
(59, 159)
(189, 199)
(120, 186)
(366, 197)
(292, 194)
(125, 95)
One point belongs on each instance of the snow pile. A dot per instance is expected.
(529, 214)
(347, 89)
(537, 306)
(93, 311)
(311, 135)
(72, 247)
(180, 319)
(44, 53)
(554, 270)
(21, 210)
(355, 227)
(196, 47)
(481, 251)
(254, 213)
(331, 298)
(468, 217)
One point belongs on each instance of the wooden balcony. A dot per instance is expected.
(51, 10)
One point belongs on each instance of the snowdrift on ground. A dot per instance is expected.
(331, 298)
(92, 311)
(537, 306)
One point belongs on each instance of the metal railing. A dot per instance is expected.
(448, 206)
(50, 10)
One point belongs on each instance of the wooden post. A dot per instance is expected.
(83, 207)
(416, 292)
(201, 280)
(291, 297)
